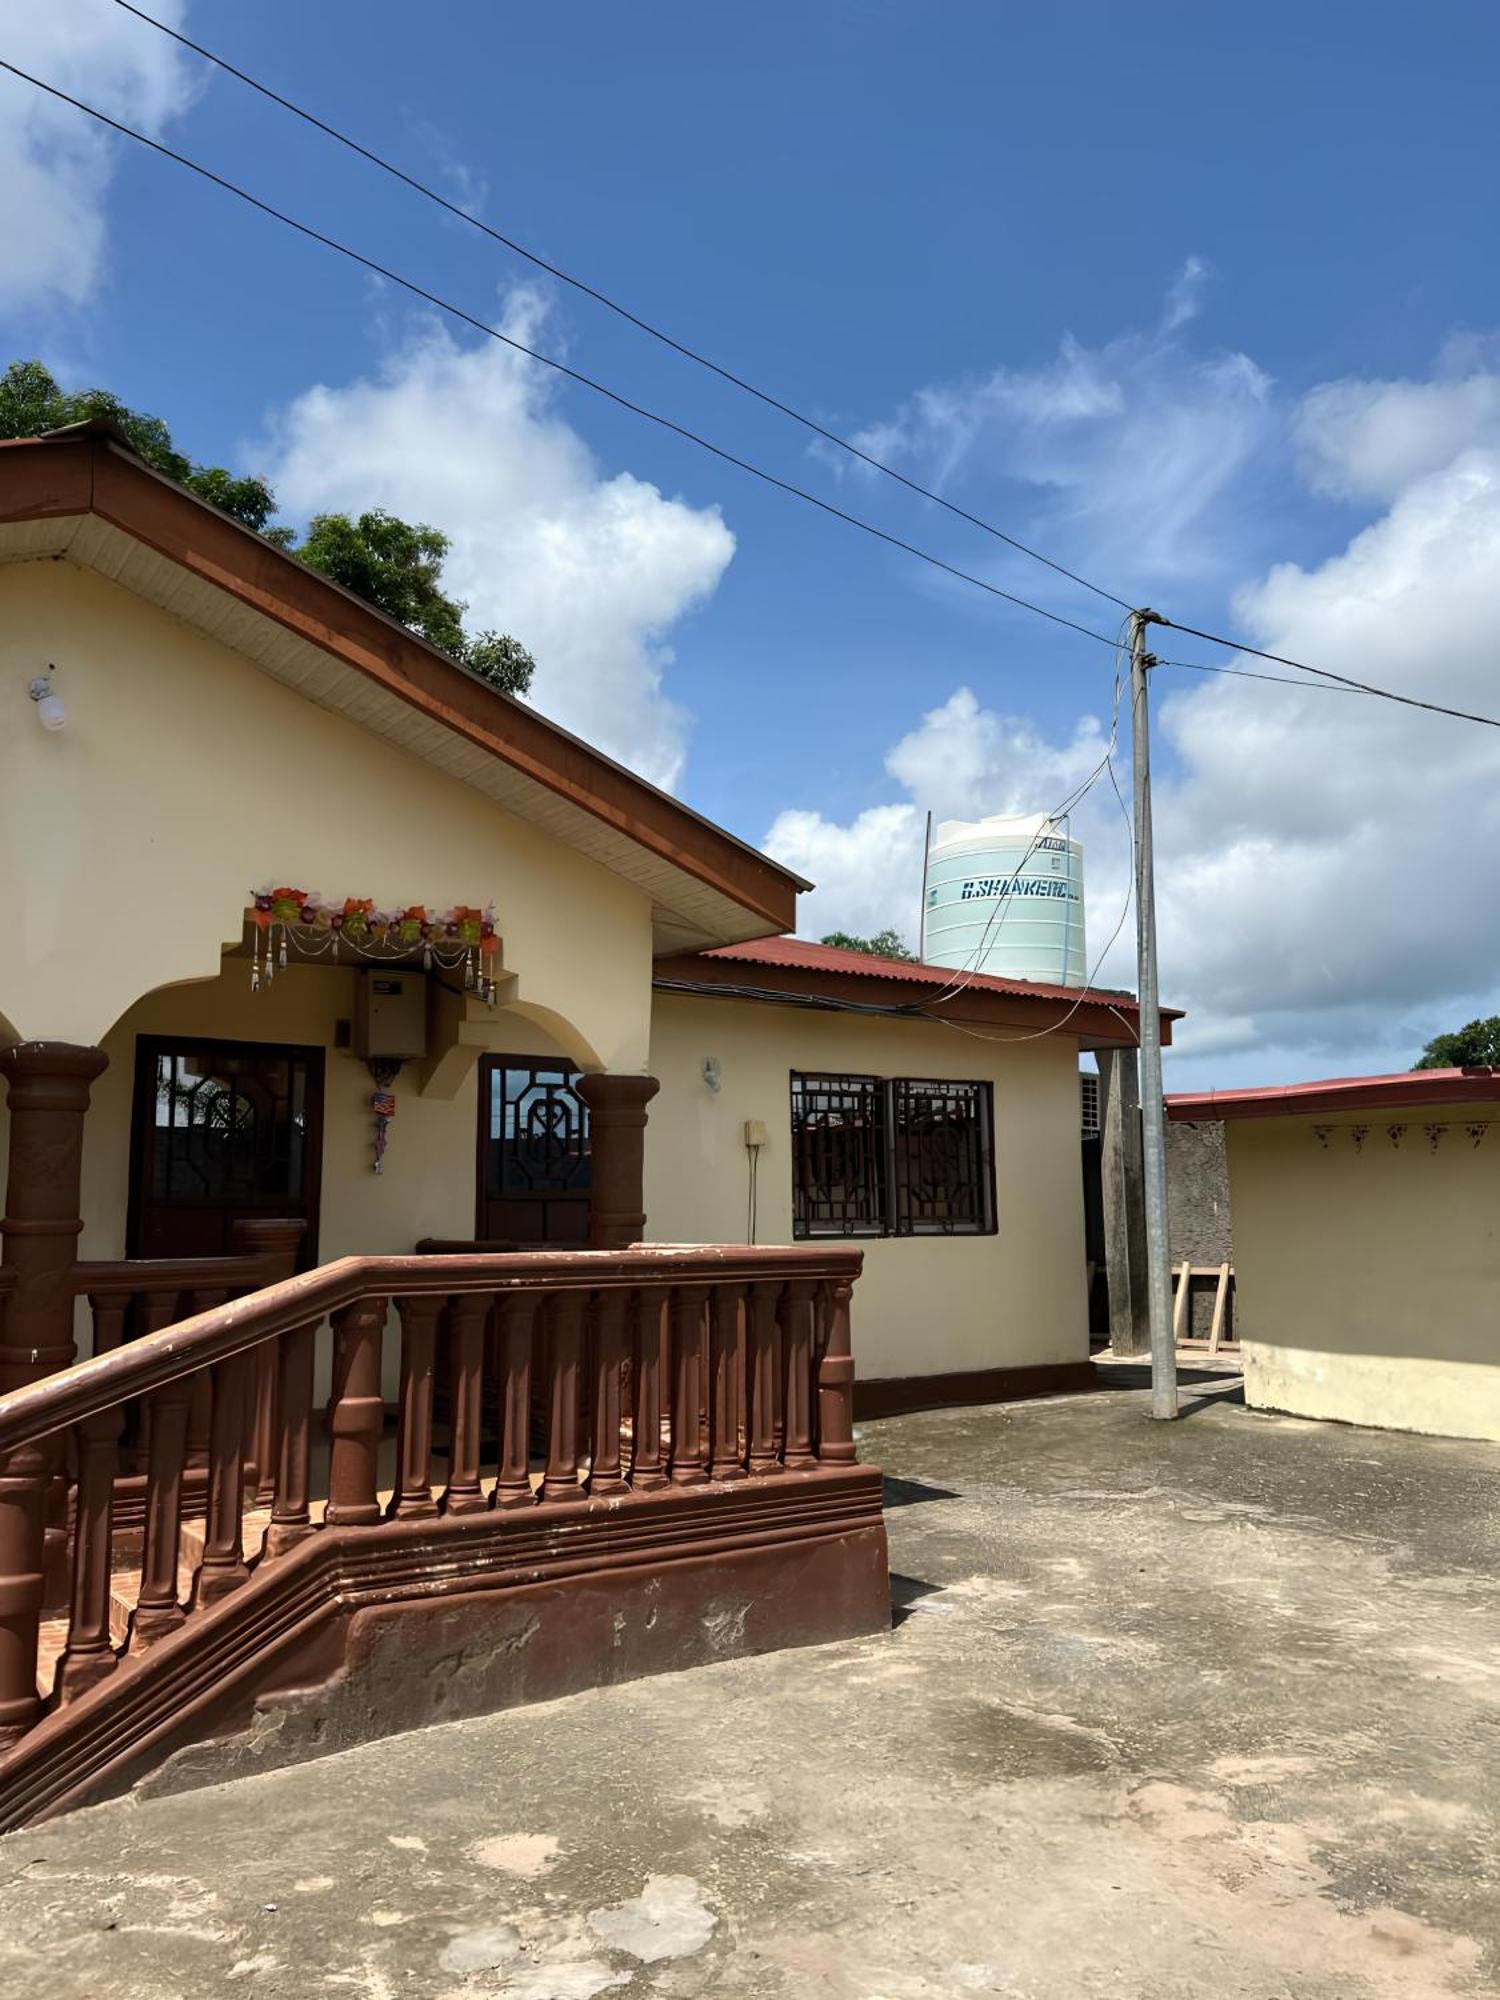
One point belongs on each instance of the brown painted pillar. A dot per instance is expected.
(617, 1137)
(48, 1096)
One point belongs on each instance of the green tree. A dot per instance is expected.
(393, 564)
(31, 402)
(1475, 1046)
(884, 944)
(398, 566)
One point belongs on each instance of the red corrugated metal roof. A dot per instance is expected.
(800, 954)
(1337, 1093)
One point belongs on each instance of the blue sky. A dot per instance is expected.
(1200, 300)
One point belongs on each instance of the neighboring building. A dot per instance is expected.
(1367, 1255)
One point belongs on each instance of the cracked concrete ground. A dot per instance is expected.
(1210, 1709)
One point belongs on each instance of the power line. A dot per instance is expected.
(548, 361)
(1343, 680)
(1245, 674)
(613, 305)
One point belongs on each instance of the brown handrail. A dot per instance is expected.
(89, 1387)
(267, 1248)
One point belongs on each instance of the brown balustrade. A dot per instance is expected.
(654, 1369)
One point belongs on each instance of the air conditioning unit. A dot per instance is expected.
(390, 1016)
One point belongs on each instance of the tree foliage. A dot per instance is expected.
(31, 402)
(397, 566)
(393, 564)
(884, 944)
(1474, 1046)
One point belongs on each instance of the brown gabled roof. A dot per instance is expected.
(84, 493)
(1337, 1093)
(795, 971)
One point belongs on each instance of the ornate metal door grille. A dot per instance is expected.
(535, 1156)
(903, 1156)
(223, 1131)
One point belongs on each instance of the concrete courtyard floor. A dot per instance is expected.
(1210, 1709)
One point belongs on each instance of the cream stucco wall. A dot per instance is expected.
(925, 1305)
(1368, 1282)
(130, 839)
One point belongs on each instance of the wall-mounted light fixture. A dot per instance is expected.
(713, 1074)
(49, 709)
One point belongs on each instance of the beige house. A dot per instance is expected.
(235, 723)
(1366, 1246)
(372, 1046)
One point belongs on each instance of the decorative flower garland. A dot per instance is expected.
(285, 916)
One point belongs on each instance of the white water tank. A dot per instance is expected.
(1005, 896)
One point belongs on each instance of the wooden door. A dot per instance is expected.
(533, 1153)
(222, 1131)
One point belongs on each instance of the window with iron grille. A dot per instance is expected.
(838, 1156)
(891, 1156)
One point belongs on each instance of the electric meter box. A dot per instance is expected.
(390, 1016)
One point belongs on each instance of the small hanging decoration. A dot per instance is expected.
(288, 919)
(1395, 1133)
(1359, 1134)
(1476, 1133)
(1435, 1134)
(383, 1104)
(1320, 1133)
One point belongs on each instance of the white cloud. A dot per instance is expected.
(1093, 431)
(1327, 865)
(590, 572)
(55, 163)
(1368, 440)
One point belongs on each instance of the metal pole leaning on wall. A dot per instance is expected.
(1153, 1135)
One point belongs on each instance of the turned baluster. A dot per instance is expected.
(291, 1516)
(687, 1306)
(836, 1380)
(518, 1312)
(610, 1314)
(646, 1471)
(23, 1499)
(158, 1609)
(412, 1499)
(465, 1322)
(155, 1311)
(797, 1307)
(726, 1398)
(358, 1416)
(90, 1654)
(263, 1421)
(562, 1351)
(763, 1374)
(109, 1321)
(200, 1417)
(223, 1567)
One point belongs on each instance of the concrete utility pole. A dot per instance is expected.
(1153, 1113)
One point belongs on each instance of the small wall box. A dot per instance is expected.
(390, 1016)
